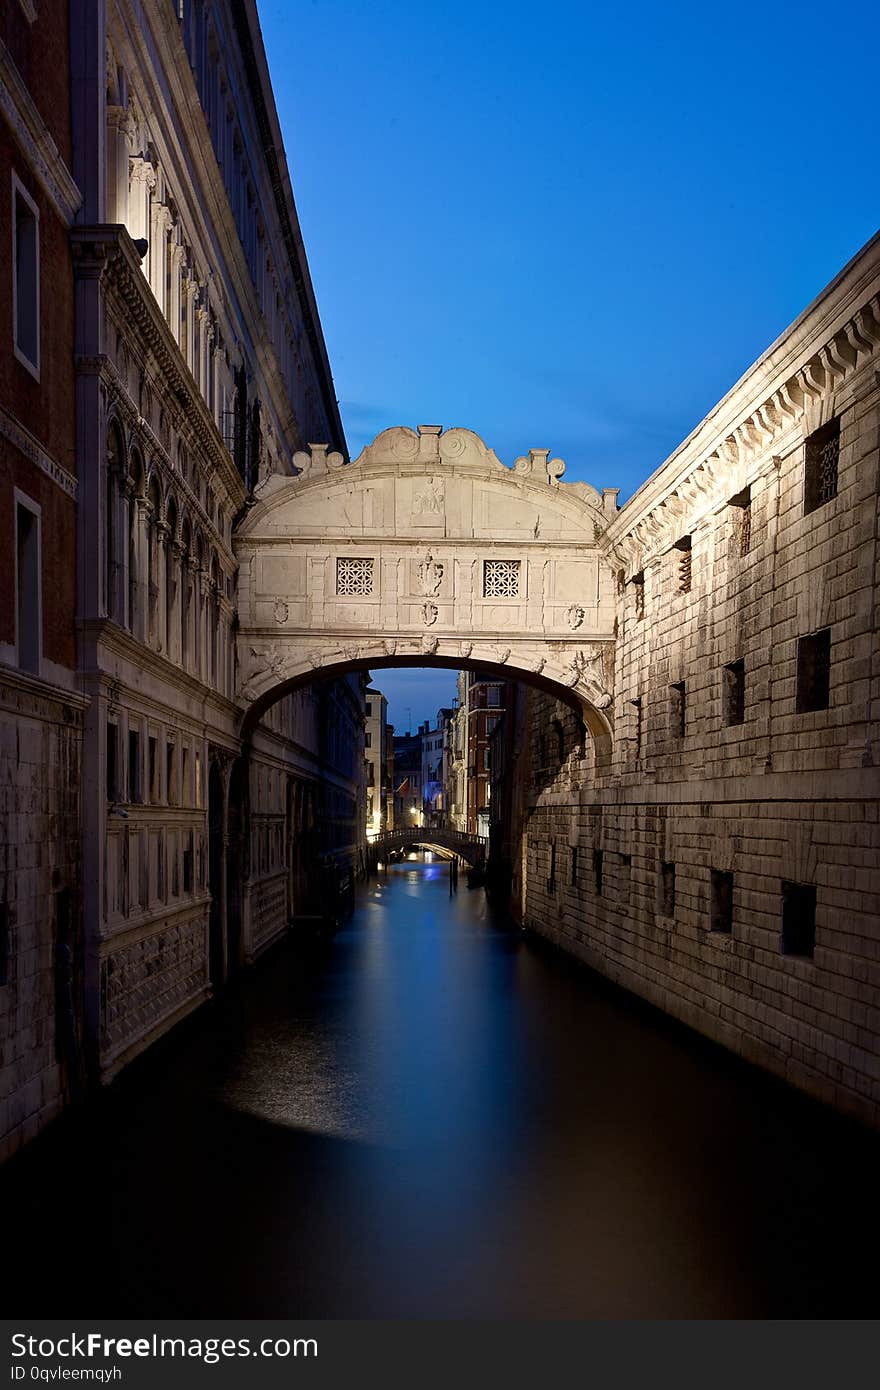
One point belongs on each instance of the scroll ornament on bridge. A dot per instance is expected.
(317, 461)
(263, 662)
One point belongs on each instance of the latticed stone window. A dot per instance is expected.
(501, 578)
(684, 564)
(813, 671)
(820, 465)
(354, 576)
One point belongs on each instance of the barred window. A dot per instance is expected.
(721, 901)
(821, 454)
(354, 576)
(813, 671)
(742, 505)
(734, 692)
(667, 889)
(638, 583)
(798, 919)
(679, 709)
(501, 578)
(684, 564)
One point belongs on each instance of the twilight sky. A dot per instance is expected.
(568, 226)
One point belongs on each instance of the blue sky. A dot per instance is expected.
(569, 226)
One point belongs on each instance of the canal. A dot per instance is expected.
(435, 1117)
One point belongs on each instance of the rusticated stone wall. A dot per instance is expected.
(727, 866)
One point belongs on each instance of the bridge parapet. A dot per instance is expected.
(472, 848)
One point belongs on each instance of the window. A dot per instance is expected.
(494, 695)
(734, 692)
(27, 583)
(742, 507)
(638, 586)
(667, 890)
(152, 769)
(597, 871)
(637, 710)
(112, 761)
(487, 758)
(551, 881)
(798, 919)
(684, 564)
(813, 671)
(134, 765)
(574, 866)
(188, 864)
(170, 772)
(354, 576)
(721, 902)
(25, 278)
(186, 798)
(369, 708)
(371, 775)
(368, 739)
(501, 578)
(5, 943)
(821, 454)
(679, 709)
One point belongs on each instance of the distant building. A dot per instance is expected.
(456, 757)
(433, 785)
(408, 808)
(379, 813)
(485, 706)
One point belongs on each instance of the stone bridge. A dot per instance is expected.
(472, 848)
(427, 550)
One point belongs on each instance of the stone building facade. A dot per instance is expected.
(41, 708)
(725, 864)
(377, 733)
(150, 844)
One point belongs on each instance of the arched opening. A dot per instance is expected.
(237, 862)
(216, 877)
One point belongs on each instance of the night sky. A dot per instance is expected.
(571, 226)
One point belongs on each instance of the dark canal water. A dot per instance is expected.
(433, 1118)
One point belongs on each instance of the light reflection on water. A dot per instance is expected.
(433, 1118)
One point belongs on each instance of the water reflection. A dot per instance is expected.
(433, 1117)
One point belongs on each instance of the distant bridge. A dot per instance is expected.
(472, 848)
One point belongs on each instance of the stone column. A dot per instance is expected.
(163, 539)
(173, 308)
(176, 569)
(119, 135)
(140, 614)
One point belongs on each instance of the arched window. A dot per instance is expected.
(113, 559)
(171, 581)
(135, 493)
(214, 621)
(155, 501)
(185, 595)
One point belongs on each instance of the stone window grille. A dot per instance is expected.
(501, 578)
(354, 576)
(679, 709)
(684, 564)
(798, 919)
(814, 671)
(638, 584)
(821, 455)
(735, 693)
(667, 890)
(721, 902)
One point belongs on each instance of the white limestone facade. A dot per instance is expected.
(201, 369)
(726, 865)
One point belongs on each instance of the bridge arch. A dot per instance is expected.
(427, 550)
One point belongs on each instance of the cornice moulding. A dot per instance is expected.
(35, 139)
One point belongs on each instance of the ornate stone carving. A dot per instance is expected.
(281, 611)
(429, 645)
(429, 614)
(430, 576)
(465, 649)
(430, 499)
(575, 616)
(587, 668)
(503, 654)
